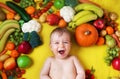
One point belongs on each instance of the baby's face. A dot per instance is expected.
(60, 45)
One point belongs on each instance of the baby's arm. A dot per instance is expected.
(45, 71)
(79, 68)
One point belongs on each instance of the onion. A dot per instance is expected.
(24, 47)
(116, 63)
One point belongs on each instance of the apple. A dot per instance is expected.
(9, 64)
(116, 63)
(24, 61)
(59, 4)
(53, 19)
(99, 24)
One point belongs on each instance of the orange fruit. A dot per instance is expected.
(30, 9)
(109, 30)
(10, 45)
(100, 41)
(10, 15)
(14, 53)
(62, 23)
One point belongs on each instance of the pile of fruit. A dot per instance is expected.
(22, 20)
(89, 73)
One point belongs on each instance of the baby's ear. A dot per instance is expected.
(50, 45)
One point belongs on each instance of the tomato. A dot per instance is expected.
(59, 4)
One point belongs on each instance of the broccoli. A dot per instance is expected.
(33, 38)
(71, 3)
(26, 36)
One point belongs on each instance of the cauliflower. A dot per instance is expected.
(30, 26)
(67, 13)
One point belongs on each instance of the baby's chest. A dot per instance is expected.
(63, 67)
(64, 70)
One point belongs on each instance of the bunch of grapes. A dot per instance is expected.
(16, 37)
(111, 54)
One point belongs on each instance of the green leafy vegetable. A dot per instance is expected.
(71, 3)
(33, 38)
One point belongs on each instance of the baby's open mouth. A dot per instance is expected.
(61, 51)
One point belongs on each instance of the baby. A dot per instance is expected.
(61, 65)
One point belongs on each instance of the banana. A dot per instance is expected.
(80, 14)
(84, 19)
(4, 39)
(6, 25)
(91, 7)
(5, 22)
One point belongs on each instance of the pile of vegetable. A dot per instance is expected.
(91, 26)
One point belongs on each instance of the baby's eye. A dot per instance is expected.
(56, 43)
(65, 42)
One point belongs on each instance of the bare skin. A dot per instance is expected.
(62, 65)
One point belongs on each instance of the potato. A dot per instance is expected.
(4, 57)
(2, 15)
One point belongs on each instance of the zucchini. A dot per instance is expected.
(19, 10)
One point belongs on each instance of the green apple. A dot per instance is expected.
(24, 61)
(59, 4)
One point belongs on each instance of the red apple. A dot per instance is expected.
(9, 64)
(99, 24)
(53, 19)
(116, 63)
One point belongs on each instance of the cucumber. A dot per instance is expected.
(19, 10)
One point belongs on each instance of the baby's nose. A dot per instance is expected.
(61, 45)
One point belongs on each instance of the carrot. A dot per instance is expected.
(30, 9)
(10, 15)
(4, 75)
(3, 52)
(7, 8)
(100, 41)
(62, 23)
(116, 38)
(10, 45)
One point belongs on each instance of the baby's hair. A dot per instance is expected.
(61, 31)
